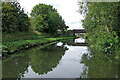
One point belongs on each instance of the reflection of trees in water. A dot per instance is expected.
(15, 67)
(43, 61)
(98, 66)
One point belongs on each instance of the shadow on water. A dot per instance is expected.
(63, 60)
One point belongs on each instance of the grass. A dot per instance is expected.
(16, 36)
(16, 55)
(11, 47)
(16, 41)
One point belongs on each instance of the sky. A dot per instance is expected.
(68, 9)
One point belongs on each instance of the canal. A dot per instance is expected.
(61, 60)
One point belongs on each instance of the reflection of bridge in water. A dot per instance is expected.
(79, 44)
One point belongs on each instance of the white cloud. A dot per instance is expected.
(67, 9)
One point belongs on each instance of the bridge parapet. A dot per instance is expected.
(77, 31)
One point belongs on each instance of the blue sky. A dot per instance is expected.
(66, 8)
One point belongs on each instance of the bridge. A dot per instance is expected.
(77, 31)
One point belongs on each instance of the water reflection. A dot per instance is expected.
(79, 40)
(63, 60)
(15, 67)
(39, 61)
(59, 44)
(43, 61)
(56, 62)
(98, 66)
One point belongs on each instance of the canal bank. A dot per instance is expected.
(12, 47)
(61, 60)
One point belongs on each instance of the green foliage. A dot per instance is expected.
(102, 25)
(43, 9)
(38, 23)
(14, 18)
(11, 47)
(16, 36)
(46, 19)
(55, 20)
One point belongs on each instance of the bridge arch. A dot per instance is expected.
(77, 31)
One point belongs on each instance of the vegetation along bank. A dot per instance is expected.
(43, 27)
(11, 47)
(102, 22)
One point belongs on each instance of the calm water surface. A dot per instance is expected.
(62, 60)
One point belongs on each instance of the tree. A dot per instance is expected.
(43, 10)
(102, 25)
(55, 22)
(51, 20)
(38, 23)
(14, 18)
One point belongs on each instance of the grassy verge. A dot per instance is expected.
(17, 55)
(16, 36)
(11, 47)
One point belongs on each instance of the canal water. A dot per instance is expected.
(62, 60)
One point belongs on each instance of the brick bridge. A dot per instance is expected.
(77, 31)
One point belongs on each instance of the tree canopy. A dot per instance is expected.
(102, 25)
(47, 18)
(14, 18)
(44, 18)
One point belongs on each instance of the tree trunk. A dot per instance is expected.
(108, 28)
